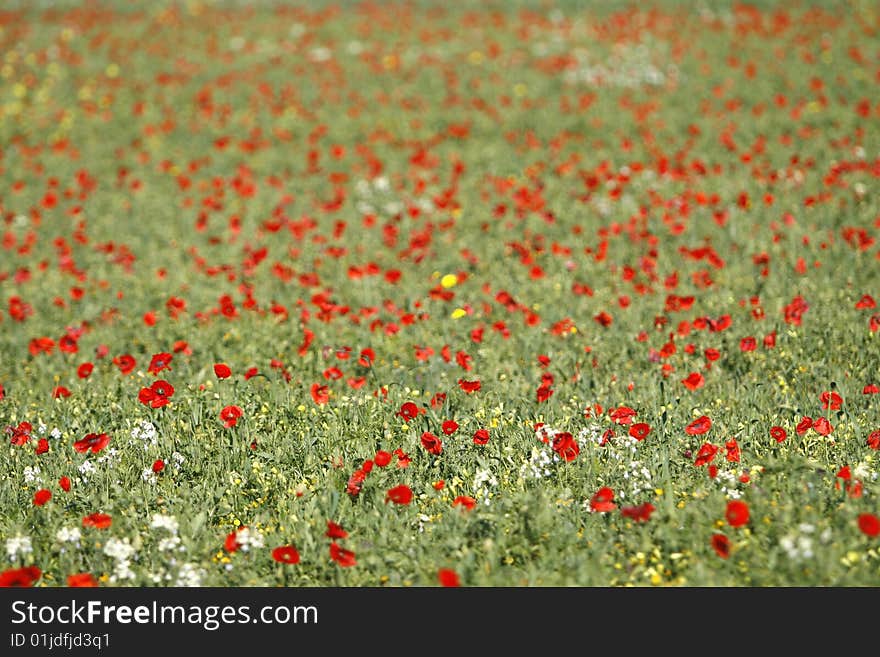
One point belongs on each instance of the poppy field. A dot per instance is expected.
(440, 294)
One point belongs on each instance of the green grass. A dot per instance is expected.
(474, 142)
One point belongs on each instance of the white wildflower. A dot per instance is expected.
(18, 545)
(189, 575)
(169, 543)
(31, 474)
(247, 539)
(122, 571)
(168, 523)
(119, 549)
(68, 535)
(110, 454)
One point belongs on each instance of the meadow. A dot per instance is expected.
(419, 294)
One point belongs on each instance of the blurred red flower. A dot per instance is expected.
(345, 558)
(737, 513)
(230, 416)
(602, 500)
(721, 545)
(448, 577)
(286, 554)
(97, 520)
(93, 442)
(81, 580)
(26, 576)
(157, 395)
(399, 495)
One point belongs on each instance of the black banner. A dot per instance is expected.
(120, 620)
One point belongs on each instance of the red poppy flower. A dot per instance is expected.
(432, 443)
(804, 425)
(60, 391)
(230, 543)
(830, 400)
(97, 520)
(81, 580)
(869, 524)
(222, 371)
(366, 357)
(42, 446)
(693, 381)
(345, 558)
(41, 345)
(866, 302)
(356, 482)
(320, 394)
(125, 362)
(26, 576)
(64, 482)
(604, 319)
(469, 386)
(42, 496)
(93, 442)
(778, 434)
(382, 458)
(602, 500)
(20, 434)
(84, 371)
(335, 531)
(565, 446)
(873, 440)
(737, 513)
(403, 459)
(181, 346)
(748, 344)
(159, 362)
(448, 577)
(286, 554)
(399, 495)
(870, 389)
(408, 411)
(449, 427)
(157, 395)
(699, 426)
(705, 454)
(622, 415)
(823, 426)
(640, 513)
(794, 311)
(158, 466)
(481, 436)
(465, 501)
(230, 416)
(733, 453)
(640, 430)
(721, 545)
